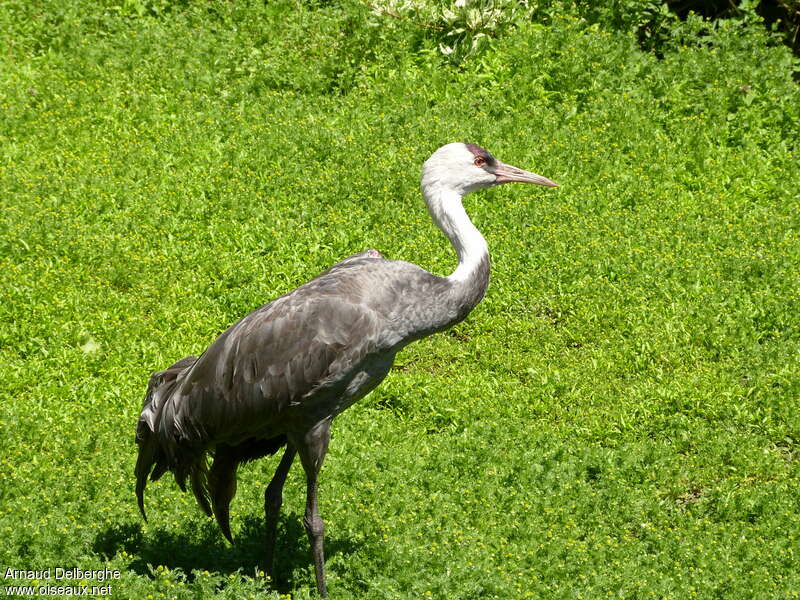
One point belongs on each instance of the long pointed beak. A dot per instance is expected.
(507, 174)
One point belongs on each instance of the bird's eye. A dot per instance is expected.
(479, 161)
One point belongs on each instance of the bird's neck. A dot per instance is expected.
(472, 272)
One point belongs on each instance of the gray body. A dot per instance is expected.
(304, 357)
(282, 373)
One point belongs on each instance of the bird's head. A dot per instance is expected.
(464, 168)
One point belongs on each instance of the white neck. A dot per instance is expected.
(447, 211)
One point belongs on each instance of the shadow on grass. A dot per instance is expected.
(206, 549)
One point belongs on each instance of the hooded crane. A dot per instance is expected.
(281, 374)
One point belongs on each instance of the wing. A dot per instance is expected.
(285, 354)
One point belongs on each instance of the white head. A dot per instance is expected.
(453, 171)
(464, 168)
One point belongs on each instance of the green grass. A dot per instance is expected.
(619, 417)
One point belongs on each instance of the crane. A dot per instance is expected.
(281, 374)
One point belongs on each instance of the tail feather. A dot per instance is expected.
(143, 463)
(199, 480)
(161, 467)
(151, 452)
(222, 486)
(214, 488)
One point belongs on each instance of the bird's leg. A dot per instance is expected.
(273, 497)
(312, 448)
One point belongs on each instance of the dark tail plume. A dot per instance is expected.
(214, 487)
(152, 460)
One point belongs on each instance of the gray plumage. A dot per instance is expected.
(281, 374)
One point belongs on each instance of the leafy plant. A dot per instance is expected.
(462, 28)
(617, 418)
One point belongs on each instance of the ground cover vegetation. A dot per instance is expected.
(618, 418)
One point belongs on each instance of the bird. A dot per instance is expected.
(278, 377)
